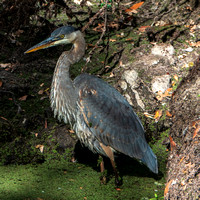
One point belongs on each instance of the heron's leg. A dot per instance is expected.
(102, 169)
(117, 181)
(110, 155)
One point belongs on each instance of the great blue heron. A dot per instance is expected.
(101, 117)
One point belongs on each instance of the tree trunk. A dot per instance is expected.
(184, 161)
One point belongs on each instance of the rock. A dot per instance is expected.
(160, 83)
(123, 85)
(163, 50)
(152, 60)
(128, 98)
(130, 76)
(138, 99)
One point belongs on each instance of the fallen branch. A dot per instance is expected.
(94, 17)
(104, 8)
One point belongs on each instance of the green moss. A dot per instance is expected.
(176, 83)
(160, 150)
(64, 180)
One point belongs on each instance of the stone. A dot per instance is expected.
(130, 76)
(123, 85)
(160, 83)
(163, 50)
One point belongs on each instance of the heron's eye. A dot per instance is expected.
(62, 36)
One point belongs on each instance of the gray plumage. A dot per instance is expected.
(99, 114)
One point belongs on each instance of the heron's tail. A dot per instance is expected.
(150, 160)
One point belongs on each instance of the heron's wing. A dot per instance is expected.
(110, 117)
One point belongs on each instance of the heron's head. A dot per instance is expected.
(62, 35)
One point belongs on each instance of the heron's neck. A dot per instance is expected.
(78, 50)
(63, 92)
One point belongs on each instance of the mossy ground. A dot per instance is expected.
(65, 180)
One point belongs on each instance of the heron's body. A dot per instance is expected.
(101, 117)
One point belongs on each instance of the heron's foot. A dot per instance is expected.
(118, 181)
(103, 179)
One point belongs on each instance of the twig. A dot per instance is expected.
(160, 13)
(107, 49)
(94, 17)
(158, 17)
(102, 34)
(108, 69)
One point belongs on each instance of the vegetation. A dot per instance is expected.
(35, 159)
(65, 180)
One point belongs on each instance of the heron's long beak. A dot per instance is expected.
(49, 42)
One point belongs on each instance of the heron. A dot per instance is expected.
(101, 117)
